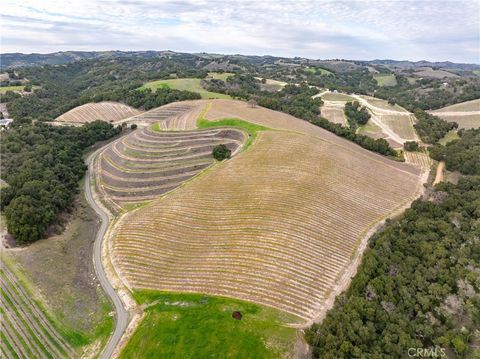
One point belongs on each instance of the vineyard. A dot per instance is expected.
(105, 111)
(401, 125)
(148, 163)
(466, 114)
(419, 159)
(278, 225)
(175, 116)
(25, 330)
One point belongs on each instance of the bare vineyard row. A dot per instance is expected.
(26, 331)
(146, 163)
(279, 235)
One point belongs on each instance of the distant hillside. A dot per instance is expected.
(13, 60)
(445, 65)
(224, 62)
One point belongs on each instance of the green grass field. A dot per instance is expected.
(370, 127)
(385, 79)
(220, 76)
(450, 136)
(198, 326)
(186, 84)
(313, 70)
(251, 128)
(4, 89)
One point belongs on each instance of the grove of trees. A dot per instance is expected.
(432, 128)
(42, 165)
(356, 115)
(461, 155)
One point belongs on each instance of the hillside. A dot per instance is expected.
(466, 114)
(105, 111)
(254, 227)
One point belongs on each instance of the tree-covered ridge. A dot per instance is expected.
(418, 285)
(461, 155)
(67, 86)
(42, 165)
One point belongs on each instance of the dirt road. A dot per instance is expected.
(440, 173)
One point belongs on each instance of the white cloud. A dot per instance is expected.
(434, 30)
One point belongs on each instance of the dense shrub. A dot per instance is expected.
(411, 146)
(221, 152)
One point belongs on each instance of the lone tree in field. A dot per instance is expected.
(252, 103)
(221, 152)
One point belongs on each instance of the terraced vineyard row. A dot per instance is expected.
(278, 225)
(106, 111)
(25, 331)
(148, 163)
(175, 116)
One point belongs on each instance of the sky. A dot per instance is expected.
(361, 30)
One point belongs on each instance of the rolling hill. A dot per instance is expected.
(279, 225)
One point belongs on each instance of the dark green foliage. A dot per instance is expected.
(221, 152)
(133, 126)
(356, 114)
(432, 128)
(428, 93)
(9, 96)
(411, 146)
(461, 155)
(42, 165)
(418, 284)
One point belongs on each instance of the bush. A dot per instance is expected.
(411, 146)
(133, 126)
(221, 152)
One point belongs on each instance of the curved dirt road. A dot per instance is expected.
(122, 315)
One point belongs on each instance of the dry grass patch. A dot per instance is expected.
(331, 96)
(334, 114)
